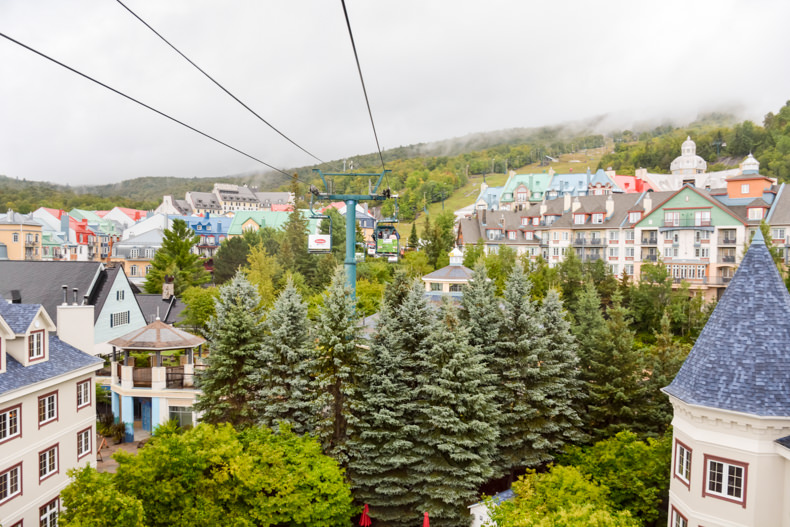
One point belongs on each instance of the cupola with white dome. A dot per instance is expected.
(750, 165)
(689, 163)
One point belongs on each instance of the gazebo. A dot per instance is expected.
(156, 392)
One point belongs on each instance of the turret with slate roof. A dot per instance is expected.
(741, 361)
(731, 403)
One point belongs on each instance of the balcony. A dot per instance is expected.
(649, 241)
(580, 241)
(727, 259)
(727, 241)
(686, 223)
(166, 377)
(597, 242)
(649, 257)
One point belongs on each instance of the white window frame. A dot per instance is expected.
(10, 423)
(536, 220)
(529, 235)
(678, 520)
(84, 446)
(744, 188)
(579, 219)
(49, 412)
(511, 235)
(630, 235)
(682, 465)
(119, 295)
(614, 236)
(629, 252)
(119, 319)
(83, 394)
(11, 483)
(35, 345)
(634, 217)
(756, 213)
(729, 471)
(47, 462)
(597, 218)
(48, 514)
(614, 252)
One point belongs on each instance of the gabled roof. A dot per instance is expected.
(40, 282)
(153, 305)
(18, 316)
(63, 359)
(741, 360)
(669, 195)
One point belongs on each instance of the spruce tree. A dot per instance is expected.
(384, 412)
(337, 364)
(563, 391)
(234, 336)
(457, 437)
(520, 382)
(615, 378)
(413, 238)
(589, 323)
(481, 313)
(284, 394)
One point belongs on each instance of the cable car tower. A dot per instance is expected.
(351, 201)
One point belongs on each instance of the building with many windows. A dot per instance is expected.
(731, 401)
(47, 411)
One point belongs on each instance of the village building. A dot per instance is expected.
(731, 401)
(47, 408)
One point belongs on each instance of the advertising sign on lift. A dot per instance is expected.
(319, 243)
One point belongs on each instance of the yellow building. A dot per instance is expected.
(21, 236)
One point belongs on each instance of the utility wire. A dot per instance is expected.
(220, 86)
(364, 90)
(145, 105)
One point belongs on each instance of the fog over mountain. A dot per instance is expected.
(433, 71)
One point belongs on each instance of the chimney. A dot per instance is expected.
(65, 294)
(74, 296)
(75, 326)
(647, 203)
(576, 205)
(566, 202)
(609, 206)
(168, 288)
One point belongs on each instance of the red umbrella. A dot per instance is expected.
(364, 521)
(425, 521)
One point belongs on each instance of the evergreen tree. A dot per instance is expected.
(175, 258)
(262, 271)
(229, 258)
(284, 394)
(570, 275)
(663, 361)
(589, 322)
(293, 255)
(234, 336)
(522, 345)
(336, 337)
(481, 313)
(456, 419)
(414, 240)
(562, 390)
(383, 426)
(616, 391)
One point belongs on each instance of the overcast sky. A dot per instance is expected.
(433, 69)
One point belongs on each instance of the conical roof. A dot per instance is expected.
(157, 336)
(741, 361)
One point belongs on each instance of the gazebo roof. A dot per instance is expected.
(157, 336)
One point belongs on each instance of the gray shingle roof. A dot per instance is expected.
(40, 282)
(18, 316)
(62, 359)
(741, 360)
(450, 272)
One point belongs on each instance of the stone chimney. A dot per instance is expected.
(168, 288)
(576, 204)
(566, 202)
(647, 203)
(609, 206)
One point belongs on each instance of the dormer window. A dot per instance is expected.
(756, 213)
(134, 253)
(597, 217)
(525, 221)
(634, 217)
(579, 219)
(536, 220)
(35, 345)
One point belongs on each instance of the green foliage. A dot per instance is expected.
(636, 472)
(616, 392)
(368, 296)
(438, 239)
(293, 255)
(482, 314)
(229, 258)
(570, 275)
(175, 258)
(92, 499)
(234, 336)
(337, 363)
(414, 240)
(561, 497)
(217, 476)
(283, 383)
(263, 272)
(457, 418)
(200, 307)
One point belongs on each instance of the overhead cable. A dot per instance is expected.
(220, 86)
(204, 134)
